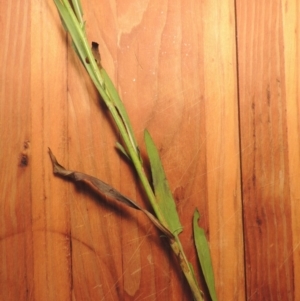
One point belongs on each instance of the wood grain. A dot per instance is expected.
(291, 53)
(217, 85)
(267, 55)
(15, 205)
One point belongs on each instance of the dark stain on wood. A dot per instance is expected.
(24, 159)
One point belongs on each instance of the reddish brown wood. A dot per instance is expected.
(185, 71)
(267, 127)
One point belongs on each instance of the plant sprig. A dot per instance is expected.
(160, 196)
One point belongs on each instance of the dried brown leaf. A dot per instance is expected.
(105, 190)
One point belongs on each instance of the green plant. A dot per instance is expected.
(166, 217)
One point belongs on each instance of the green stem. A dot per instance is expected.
(186, 268)
(75, 26)
(174, 243)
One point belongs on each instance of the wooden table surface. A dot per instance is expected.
(216, 82)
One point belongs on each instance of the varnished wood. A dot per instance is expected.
(291, 41)
(269, 96)
(221, 100)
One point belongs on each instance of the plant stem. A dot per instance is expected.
(186, 268)
(174, 243)
(75, 26)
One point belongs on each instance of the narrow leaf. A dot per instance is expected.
(120, 147)
(72, 21)
(204, 256)
(78, 10)
(162, 191)
(112, 91)
(76, 30)
(104, 189)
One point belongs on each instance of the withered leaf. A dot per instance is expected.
(96, 53)
(105, 190)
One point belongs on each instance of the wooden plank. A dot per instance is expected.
(268, 81)
(174, 63)
(33, 241)
(50, 214)
(222, 146)
(291, 39)
(15, 206)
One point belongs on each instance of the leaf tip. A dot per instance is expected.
(197, 215)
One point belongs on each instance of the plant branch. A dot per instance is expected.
(72, 19)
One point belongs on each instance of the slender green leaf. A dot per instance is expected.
(113, 95)
(120, 147)
(204, 256)
(112, 91)
(162, 191)
(73, 25)
(78, 11)
(73, 22)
